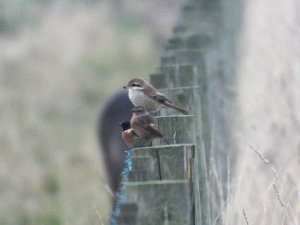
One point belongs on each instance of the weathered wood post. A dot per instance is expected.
(186, 191)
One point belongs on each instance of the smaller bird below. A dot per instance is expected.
(128, 133)
(142, 93)
(144, 125)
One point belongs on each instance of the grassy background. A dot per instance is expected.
(60, 61)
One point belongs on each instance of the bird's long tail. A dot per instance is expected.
(176, 108)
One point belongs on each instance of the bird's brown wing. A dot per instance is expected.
(161, 98)
(167, 102)
(148, 123)
(149, 91)
(153, 129)
(146, 119)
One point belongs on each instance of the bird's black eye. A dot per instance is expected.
(135, 85)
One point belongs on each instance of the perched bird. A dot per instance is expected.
(128, 133)
(142, 93)
(144, 125)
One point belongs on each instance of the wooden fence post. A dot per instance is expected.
(183, 192)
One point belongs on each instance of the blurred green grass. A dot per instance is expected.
(60, 61)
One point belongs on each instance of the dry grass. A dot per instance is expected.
(263, 193)
(266, 185)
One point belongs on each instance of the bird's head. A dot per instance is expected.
(135, 84)
(125, 125)
(138, 110)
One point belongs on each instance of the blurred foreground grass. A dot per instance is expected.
(60, 60)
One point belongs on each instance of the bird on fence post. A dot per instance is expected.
(144, 125)
(142, 93)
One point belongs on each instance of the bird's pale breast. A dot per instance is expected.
(138, 98)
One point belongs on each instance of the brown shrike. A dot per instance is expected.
(144, 125)
(142, 93)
